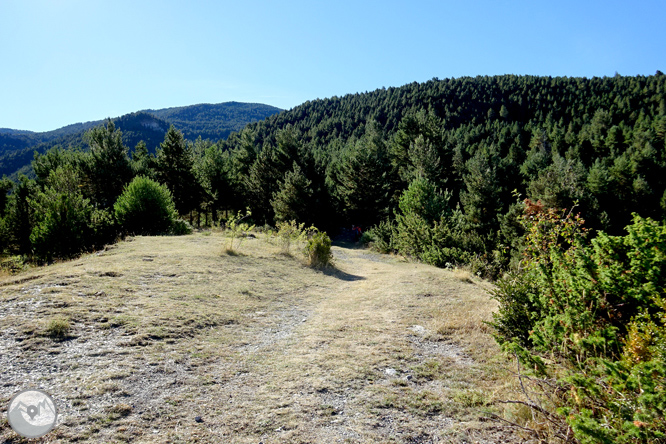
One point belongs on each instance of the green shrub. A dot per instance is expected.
(288, 233)
(145, 207)
(592, 316)
(13, 264)
(237, 229)
(62, 218)
(380, 237)
(318, 250)
(181, 227)
(104, 228)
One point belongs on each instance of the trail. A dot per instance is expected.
(257, 347)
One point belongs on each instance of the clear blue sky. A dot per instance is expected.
(68, 61)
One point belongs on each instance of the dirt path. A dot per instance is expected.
(173, 342)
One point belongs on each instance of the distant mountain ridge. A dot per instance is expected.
(208, 121)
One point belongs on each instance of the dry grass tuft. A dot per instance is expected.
(463, 275)
(57, 327)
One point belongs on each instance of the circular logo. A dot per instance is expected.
(32, 413)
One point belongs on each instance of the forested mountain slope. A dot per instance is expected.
(208, 121)
(213, 121)
(599, 141)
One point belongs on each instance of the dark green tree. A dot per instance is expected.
(360, 179)
(143, 164)
(261, 183)
(19, 216)
(62, 226)
(293, 201)
(481, 196)
(107, 168)
(6, 186)
(174, 169)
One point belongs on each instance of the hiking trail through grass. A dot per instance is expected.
(172, 340)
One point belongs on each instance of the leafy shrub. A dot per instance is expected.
(145, 207)
(13, 264)
(103, 226)
(380, 237)
(591, 316)
(318, 250)
(288, 233)
(181, 227)
(62, 218)
(238, 230)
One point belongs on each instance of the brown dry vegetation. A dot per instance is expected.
(137, 341)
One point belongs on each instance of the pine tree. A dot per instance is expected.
(5, 187)
(294, 199)
(143, 164)
(19, 218)
(108, 167)
(361, 179)
(174, 169)
(262, 183)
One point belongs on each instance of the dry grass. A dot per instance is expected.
(163, 330)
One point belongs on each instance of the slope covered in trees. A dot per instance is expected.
(208, 121)
(213, 121)
(596, 142)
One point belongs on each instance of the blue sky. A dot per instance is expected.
(68, 61)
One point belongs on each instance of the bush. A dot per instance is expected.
(238, 230)
(288, 233)
(13, 264)
(318, 250)
(181, 228)
(380, 237)
(62, 226)
(104, 228)
(592, 317)
(57, 328)
(145, 207)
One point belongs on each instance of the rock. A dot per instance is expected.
(418, 329)
(198, 419)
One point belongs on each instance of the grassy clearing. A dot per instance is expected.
(256, 345)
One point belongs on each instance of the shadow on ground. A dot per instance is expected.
(336, 273)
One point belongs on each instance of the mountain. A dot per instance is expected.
(208, 121)
(213, 122)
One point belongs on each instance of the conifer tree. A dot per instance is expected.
(108, 167)
(261, 183)
(5, 186)
(143, 164)
(19, 217)
(294, 199)
(361, 179)
(174, 169)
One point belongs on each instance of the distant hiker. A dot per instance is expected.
(356, 232)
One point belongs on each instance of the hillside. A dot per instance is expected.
(209, 121)
(214, 122)
(163, 330)
(486, 140)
